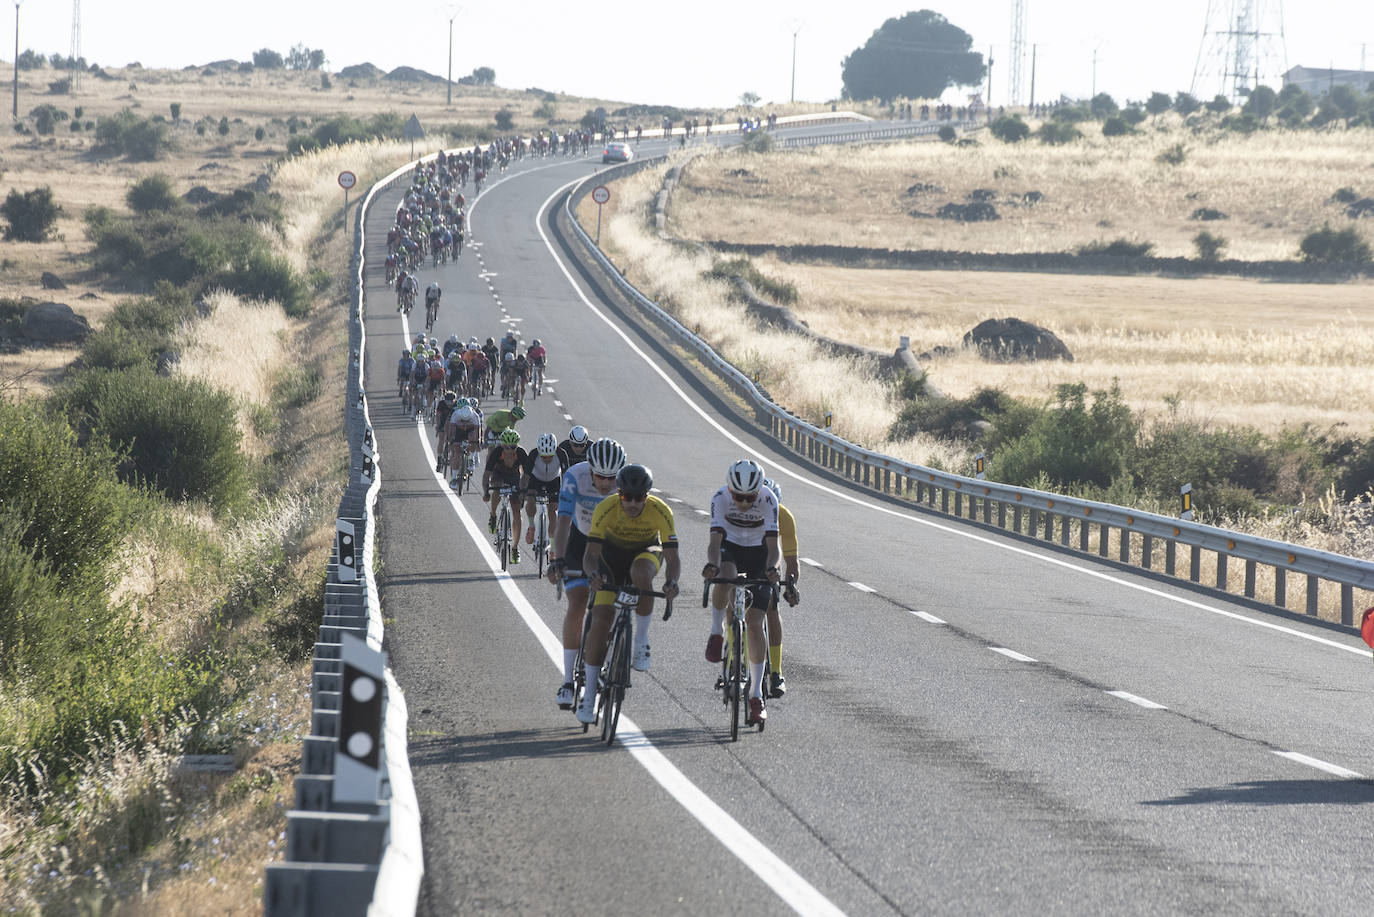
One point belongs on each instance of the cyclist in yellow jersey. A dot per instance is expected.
(631, 537)
(787, 539)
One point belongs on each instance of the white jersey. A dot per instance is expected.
(748, 526)
(579, 497)
(544, 469)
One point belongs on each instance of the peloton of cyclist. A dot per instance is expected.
(631, 537)
(744, 539)
(505, 466)
(543, 474)
(585, 485)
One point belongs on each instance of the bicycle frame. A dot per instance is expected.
(734, 679)
(615, 669)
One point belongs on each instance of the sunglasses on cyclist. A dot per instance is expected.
(743, 498)
(603, 477)
(633, 498)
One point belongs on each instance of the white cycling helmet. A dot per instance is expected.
(744, 477)
(464, 414)
(510, 358)
(578, 435)
(547, 444)
(606, 457)
(453, 339)
(472, 345)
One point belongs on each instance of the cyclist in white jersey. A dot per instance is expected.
(744, 539)
(543, 474)
(584, 486)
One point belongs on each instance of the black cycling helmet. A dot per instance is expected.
(634, 481)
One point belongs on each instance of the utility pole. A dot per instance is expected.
(16, 58)
(989, 81)
(453, 14)
(794, 62)
(1032, 82)
(1093, 95)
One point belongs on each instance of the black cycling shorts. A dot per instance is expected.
(752, 561)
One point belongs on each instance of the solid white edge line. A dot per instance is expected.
(1000, 544)
(812, 563)
(1012, 654)
(1334, 769)
(927, 616)
(1137, 700)
(785, 882)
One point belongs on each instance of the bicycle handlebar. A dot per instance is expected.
(740, 580)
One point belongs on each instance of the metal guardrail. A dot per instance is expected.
(1038, 514)
(860, 135)
(353, 835)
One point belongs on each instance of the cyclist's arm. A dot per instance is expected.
(713, 552)
(770, 543)
(562, 528)
(591, 561)
(672, 564)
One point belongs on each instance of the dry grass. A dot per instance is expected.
(1242, 352)
(1275, 187)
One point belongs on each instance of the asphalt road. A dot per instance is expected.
(950, 742)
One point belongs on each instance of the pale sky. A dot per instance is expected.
(691, 53)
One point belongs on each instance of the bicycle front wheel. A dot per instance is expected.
(735, 682)
(619, 679)
(503, 536)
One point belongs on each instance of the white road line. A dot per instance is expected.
(812, 563)
(674, 500)
(557, 403)
(999, 544)
(702, 512)
(1137, 700)
(786, 883)
(862, 588)
(1320, 765)
(1011, 654)
(927, 616)
(568, 418)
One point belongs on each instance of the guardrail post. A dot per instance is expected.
(1049, 526)
(1170, 556)
(958, 503)
(1067, 525)
(1083, 532)
(1001, 515)
(1124, 553)
(1280, 587)
(1147, 551)
(1033, 523)
(1312, 594)
(887, 480)
(1221, 570)
(1016, 519)
(1104, 540)
(1195, 564)
(1249, 579)
(1347, 604)
(987, 511)
(944, 501)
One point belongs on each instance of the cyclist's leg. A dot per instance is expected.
(529, 513)
(642, 573)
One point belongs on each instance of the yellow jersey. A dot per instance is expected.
(787, 532)
(654, 525)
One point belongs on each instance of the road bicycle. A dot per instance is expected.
(538, 378)
(431, 314)
(504, 523)
(734, 680)
(541, 529)
(615, 669)
(466, 468)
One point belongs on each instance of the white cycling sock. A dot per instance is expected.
(593, 677)
(642, 629)
(717, 621)
(569, 664)
(756, 677)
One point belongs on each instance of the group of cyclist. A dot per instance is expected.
(427, 373)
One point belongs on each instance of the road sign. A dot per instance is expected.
(413, 130)
(601, 194)
(347, 179)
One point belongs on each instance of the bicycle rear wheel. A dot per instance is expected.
(541, 538)
(503, 535)
(735, 681)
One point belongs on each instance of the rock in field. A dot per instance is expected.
(54, 323)
(1014, 339)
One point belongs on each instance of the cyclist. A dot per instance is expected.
(477, 370)
(631, 537)
(519, 375)
(537, 355)
(574, 449)
(500, 421)
(787, 540)
(436, 375)
(457, 370)
(507, 374)
(493, 355)
(585, 485)
(543, 474)
(464, 428)
(419, 378)
(451, 345)
(432, 296)
(410, 287)
(508, 344)
(442, 412)
(505, 465)
(744, 539)
(404, 367)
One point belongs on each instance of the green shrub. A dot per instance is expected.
(1056, 133)
(947, 134)
(757, 142)
(62, 500)
(1121, 248)
(136, 138)
(247, 206)
(546, 111)
(1071, 114)
(950, 418)
(504, 119)
(259, 134)
(176, 111)
(261, 275)
(1334, 246)
(152, 194)
(32, 215)
(177, 435)
(223, 127)
(1068, 442)
(1134, 115)
(1010, 129)
(1116, 126)
(778, 291)
(1209, 247)
(137, 331)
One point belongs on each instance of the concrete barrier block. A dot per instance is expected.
(305, 889)
(335, 837)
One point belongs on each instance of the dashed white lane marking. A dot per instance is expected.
(557, 403)
(548, 381)
(1137, 700)
(927, 616)
(674, 500)
(862, 588)
(1320, 765)
(567, 417)
(812, 563)
(702, 512)
(1011, 654)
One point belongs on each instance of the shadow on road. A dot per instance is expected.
(1278, 793)
(535, 743)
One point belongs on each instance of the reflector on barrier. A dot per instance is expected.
(358, 760)
(345, 544)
